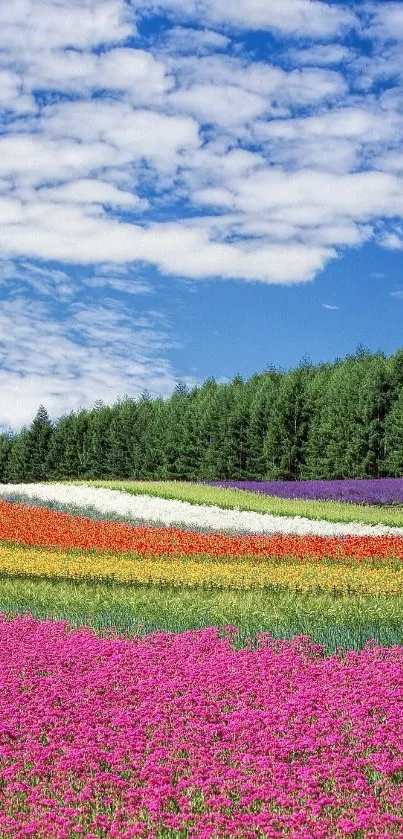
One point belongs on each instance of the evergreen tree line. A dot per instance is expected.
(332, 420)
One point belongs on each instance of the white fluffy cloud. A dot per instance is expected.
(337, 140)
(129, 133)
(274, 85)
(95, 352)
(32, 25)
(348, 122)
(187, 40)
(388, 21)
(321, 54)
(296, 17)
(121, 128)
(133, 72)
(313, 196)
(224, 105)
(91, 191)
(301, 18)
(12, 94)
(47, 231)
(30, 160)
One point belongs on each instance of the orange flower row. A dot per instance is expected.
(45, 528)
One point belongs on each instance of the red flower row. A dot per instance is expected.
(43, 527)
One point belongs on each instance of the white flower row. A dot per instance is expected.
(165, 512)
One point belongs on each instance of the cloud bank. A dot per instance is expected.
(171, 134)
(268, 165)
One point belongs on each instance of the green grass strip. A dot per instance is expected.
(230, 499)
(344, 621)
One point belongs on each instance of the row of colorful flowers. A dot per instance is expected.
(379, 491)
(83, 549)
(39, 526)
(168, 512)
(188, 571)
(181, 735)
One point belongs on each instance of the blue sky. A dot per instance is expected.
(194, 188)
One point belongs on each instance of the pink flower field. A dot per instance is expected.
(182, 736)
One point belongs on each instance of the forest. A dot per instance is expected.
(341, 419)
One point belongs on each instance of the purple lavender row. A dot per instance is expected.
(379, 491)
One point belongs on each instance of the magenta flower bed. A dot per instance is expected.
(380, 491)
(119, 738)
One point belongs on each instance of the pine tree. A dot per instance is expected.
(331, 421)
(40, 435)
(154, 463)
(121, 433)
(215, 431)
(6, 445)
(18, 464)
(98, 441)
(148, 443)
(317, 464)
(63, 459)
(395, 370)
(261, 405)
(286, 442)
(347, 429)
(29, 455)
(340, 419)
(202, 428)
(238, 422)
(393, 440)
(178, 419)
(374, 402)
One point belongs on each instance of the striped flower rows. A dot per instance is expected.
(142, 556)
(163, 511)
(187, 571)
(39, 526)
(115, 738)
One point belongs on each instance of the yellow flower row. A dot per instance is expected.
(248, 574)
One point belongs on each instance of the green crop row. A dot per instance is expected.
(345, 621)
(334, 511)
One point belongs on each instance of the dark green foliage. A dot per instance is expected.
(29, 454)
(224, 427)
(147, 438)
(68, 451)
(17, 466)
(236, 461)
(219, 447)
(340, 420)
(262, 400)
(394, 440)
(98, 442)
(178, 442)
(286, 442)
(374, 403)
(316, 460)
(351, 401)
(6, 445)
(39, 439)
(121, 437)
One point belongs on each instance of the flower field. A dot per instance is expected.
(382, 491)
(171, 669)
